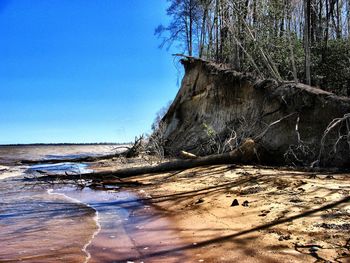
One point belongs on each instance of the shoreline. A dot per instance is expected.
(127, 226)
(102, 245)
(95, 218)
(191, 215)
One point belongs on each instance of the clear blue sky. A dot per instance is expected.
(81, 70)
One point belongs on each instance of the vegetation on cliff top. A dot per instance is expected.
(302, 40)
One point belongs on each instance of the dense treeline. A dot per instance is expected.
(301, 40)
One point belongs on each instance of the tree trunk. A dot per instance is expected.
(216, 19)
(339, 19)
(319, 32)
(288, 11)
(326, 36)
(313, 21)
(307, 52)
(348, 17)
(190, 46)
(243, 154)
(203, 30)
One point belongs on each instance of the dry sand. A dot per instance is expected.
(280, 222)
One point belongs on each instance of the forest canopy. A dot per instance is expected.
(304, 41)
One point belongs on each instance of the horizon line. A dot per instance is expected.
(68, 143)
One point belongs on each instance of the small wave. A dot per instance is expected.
(96, 219)
(60, 168)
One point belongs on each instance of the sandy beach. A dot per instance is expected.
(278, 216)
(222, 213)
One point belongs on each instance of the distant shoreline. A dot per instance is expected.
(64, 144)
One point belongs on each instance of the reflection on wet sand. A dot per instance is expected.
(129, 230)
(38, 227)
(60, 223)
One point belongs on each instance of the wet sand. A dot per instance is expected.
(62, 223)
(66, 224)
(183, 216)
(39, 227)
(129, 228)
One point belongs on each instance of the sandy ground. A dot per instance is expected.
(230, 213)
(281, 215)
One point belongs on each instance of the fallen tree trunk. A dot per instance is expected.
(74, 160)
(243, 154)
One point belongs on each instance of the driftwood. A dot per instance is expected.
(243, 154)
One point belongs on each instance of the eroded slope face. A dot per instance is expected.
(287, 120)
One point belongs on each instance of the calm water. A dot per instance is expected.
(60, 223)
(10, 154)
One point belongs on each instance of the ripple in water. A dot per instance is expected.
(66, 224)
(39, 227)
(60, 168)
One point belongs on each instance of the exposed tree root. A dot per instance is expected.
(341, 126)
(300, 153)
